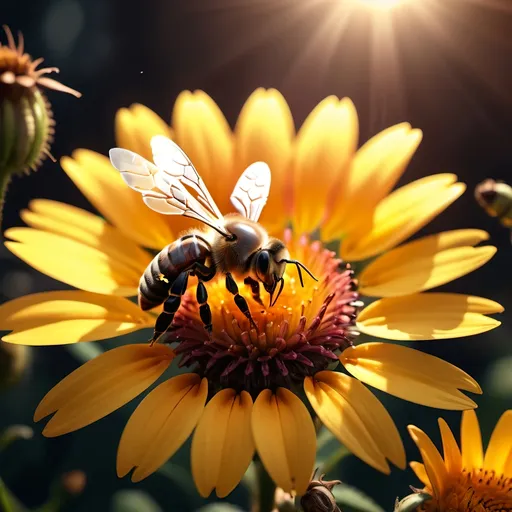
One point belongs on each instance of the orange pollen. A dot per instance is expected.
(479, 490)
(302, 334)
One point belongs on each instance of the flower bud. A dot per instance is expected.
(25, 116)
(412, 502)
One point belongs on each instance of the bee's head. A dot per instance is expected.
(269, 265)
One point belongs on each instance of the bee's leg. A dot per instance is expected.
(204, 309)
(255, 289)
(203, 272)
(171, 305)
(239, 300)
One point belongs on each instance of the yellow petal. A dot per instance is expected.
(326, 144)
(425, 263)
(471, 441)
(136, 126)
(72, 262)
(58, 318)
(82, 226)
(401, 214)
(285, 438)
(203, 133)
(500, 444)
(411, 375)
(343, 419)
(507, 469)
(101, 386)
(356, 417)
(451, 452)
(160, 425)
(428, 316)
(222, 446)
(103, 186)
(375, 169)
(419, 471)
(434, 464)
(264, 132)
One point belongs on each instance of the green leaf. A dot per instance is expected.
(324, 439)
(5, 500)
(85, 351)
(134, 501)
(220, 507)
(250, 478)
(349, 496)
(498, 378)
(180, 477)
(9, 502)
(329, 451)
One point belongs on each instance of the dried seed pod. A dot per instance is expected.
(318, 497)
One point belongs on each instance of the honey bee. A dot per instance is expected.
(235, 245)
(495, 198)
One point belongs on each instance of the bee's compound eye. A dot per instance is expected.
(262, 263)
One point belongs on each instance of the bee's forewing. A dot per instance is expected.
(164, 191)
(169, 157)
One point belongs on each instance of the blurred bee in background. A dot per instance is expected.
(235, 244)
(495, 197)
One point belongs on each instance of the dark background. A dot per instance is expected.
(444, 66)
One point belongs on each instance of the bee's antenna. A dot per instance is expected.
(278, 293)
(299, 265)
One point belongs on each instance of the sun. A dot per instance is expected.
(382, 5)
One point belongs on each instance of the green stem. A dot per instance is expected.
(266, 489)
(5, 179)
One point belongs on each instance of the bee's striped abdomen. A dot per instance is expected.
(167, 265)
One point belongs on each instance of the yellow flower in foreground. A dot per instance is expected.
(467, 479)
(242, 392)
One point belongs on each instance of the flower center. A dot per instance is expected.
(476, 491)
(10, 60)
(297, 337)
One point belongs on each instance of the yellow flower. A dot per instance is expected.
(254, 378)
(467, 479)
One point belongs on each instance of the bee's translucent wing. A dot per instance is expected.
(251, 191)
(161, 191)
(169, 157)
